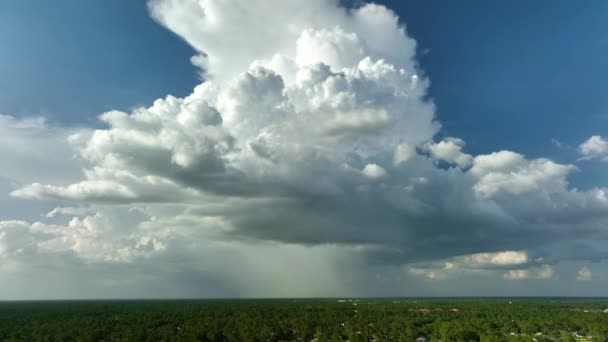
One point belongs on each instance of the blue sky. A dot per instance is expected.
(514, 68)
(104, 55)
(316, 133)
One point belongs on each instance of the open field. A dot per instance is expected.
(390, 319)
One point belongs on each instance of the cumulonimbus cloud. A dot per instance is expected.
(313, 126)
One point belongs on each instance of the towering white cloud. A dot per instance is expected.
(231, 35)
(313, 89)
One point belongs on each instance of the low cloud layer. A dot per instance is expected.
(312, 141)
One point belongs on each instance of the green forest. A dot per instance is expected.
(307, 320)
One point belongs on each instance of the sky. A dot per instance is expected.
(211, 148)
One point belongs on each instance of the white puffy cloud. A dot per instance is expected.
(583, 274)
(546, 272)
(502, 161)
(106, 236)
(595, 147)
(517, 274)
(334, 47)
(487, 264)
(374, 171)
(500, 258)
(510, 172)
(450, 150)
(403, 153)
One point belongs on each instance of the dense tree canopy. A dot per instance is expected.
(306, 320)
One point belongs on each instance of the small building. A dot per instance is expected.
(421, 339)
